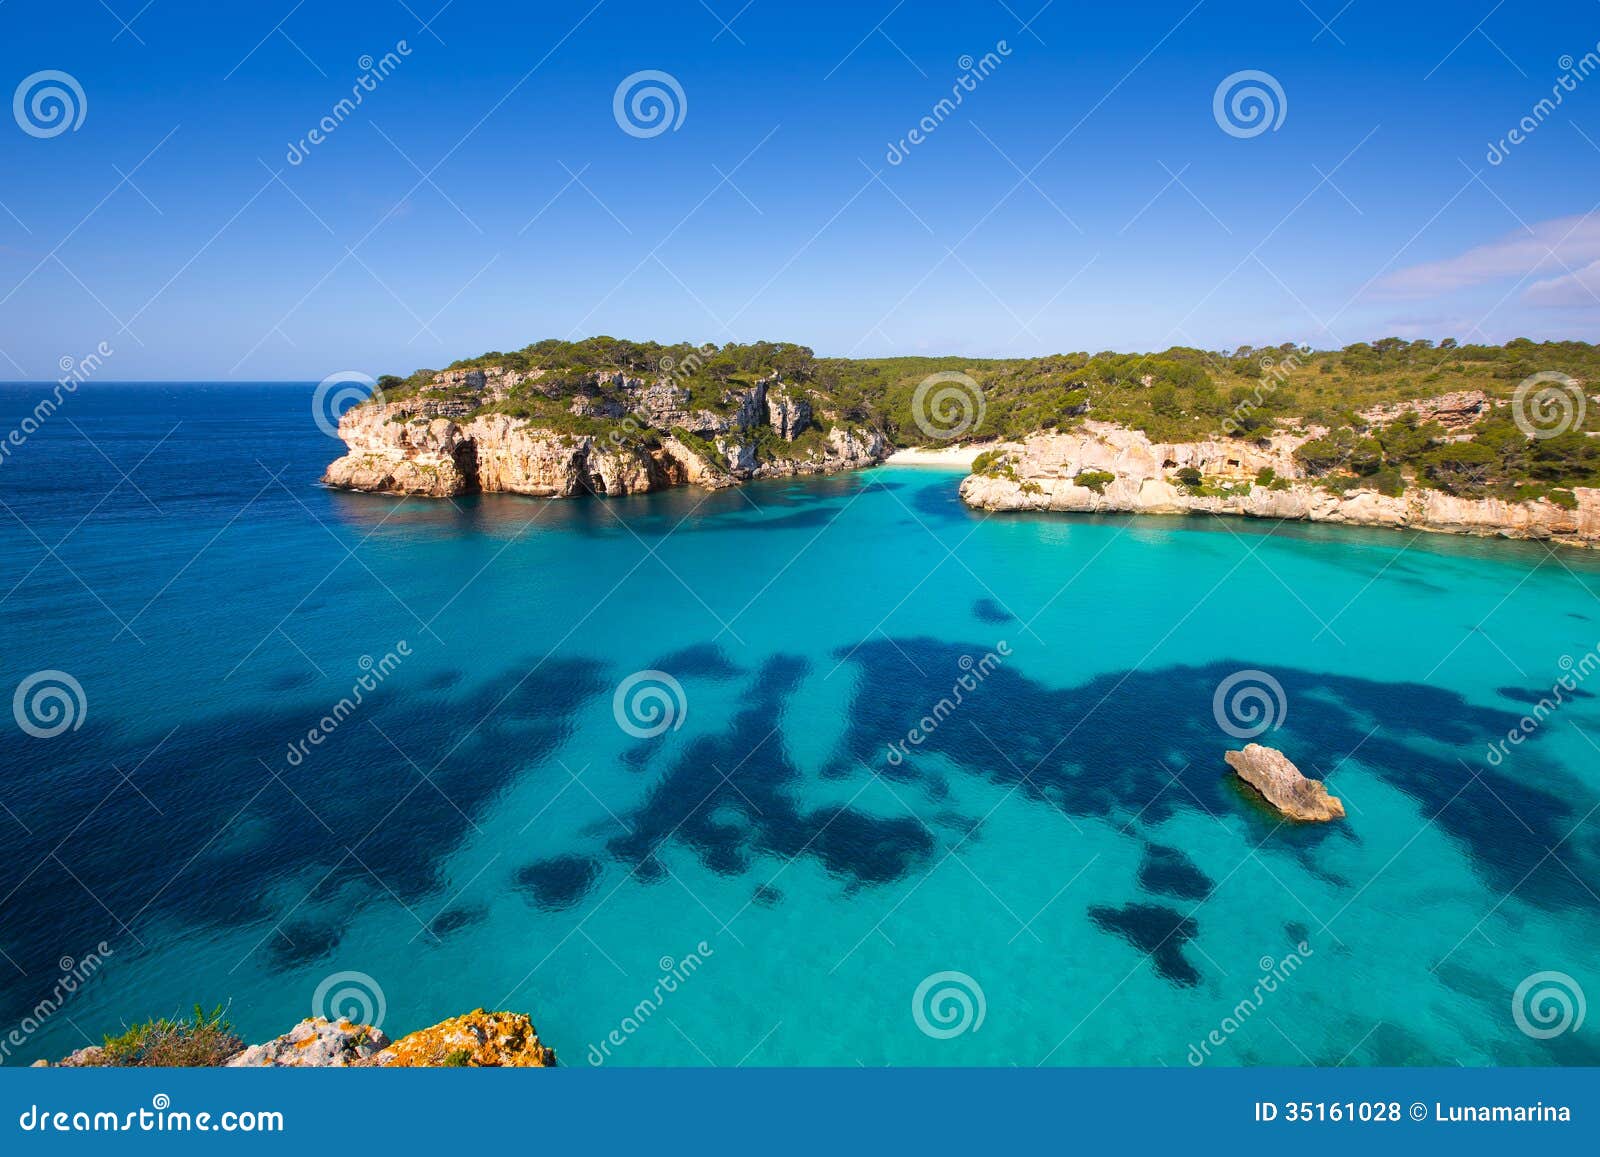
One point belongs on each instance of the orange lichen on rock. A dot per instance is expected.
(479, 1040)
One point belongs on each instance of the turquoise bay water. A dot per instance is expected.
(481, 831)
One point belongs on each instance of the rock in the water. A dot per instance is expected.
(1269, 771)
(478, 1040)
(315, 1043)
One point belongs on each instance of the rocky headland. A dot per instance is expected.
(1101, 467)
(615, 434)
(1281, 433)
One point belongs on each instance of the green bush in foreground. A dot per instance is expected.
(207, 1039)
(1096, 480)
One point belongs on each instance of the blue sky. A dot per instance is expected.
(1083, 196)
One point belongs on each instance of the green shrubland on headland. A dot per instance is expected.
(1352, 401)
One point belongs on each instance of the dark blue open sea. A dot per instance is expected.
(830, 771)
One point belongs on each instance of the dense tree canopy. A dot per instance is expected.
(1177, 394)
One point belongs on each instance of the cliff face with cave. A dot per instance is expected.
(620, 435)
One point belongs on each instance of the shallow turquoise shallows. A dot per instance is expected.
(900, 784)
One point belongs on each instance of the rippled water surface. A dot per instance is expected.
(795, 859)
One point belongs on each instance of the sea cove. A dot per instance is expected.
(484, 829)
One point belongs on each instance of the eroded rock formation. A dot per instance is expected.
(442, 444)
(315, 1043)
(1282, 785)
(478, 1040)
(1457, 412)
(1042, 473)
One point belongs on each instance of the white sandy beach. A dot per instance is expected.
(942, 456)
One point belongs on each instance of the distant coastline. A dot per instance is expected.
(1348, 436)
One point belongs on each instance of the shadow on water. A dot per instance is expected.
(1156, 930)
(989, 611)
(371, 813)
(1523, 695)
(1112, 746)
(358, 817)
(1170, 872)
(560, 881)
(700, 661)
(733, 796)
(768, 504)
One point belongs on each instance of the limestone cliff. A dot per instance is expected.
(1042, 473)
(645, 436)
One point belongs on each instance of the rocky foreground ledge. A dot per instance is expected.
(452, 441)
(1105, 468)
(477, 1040)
